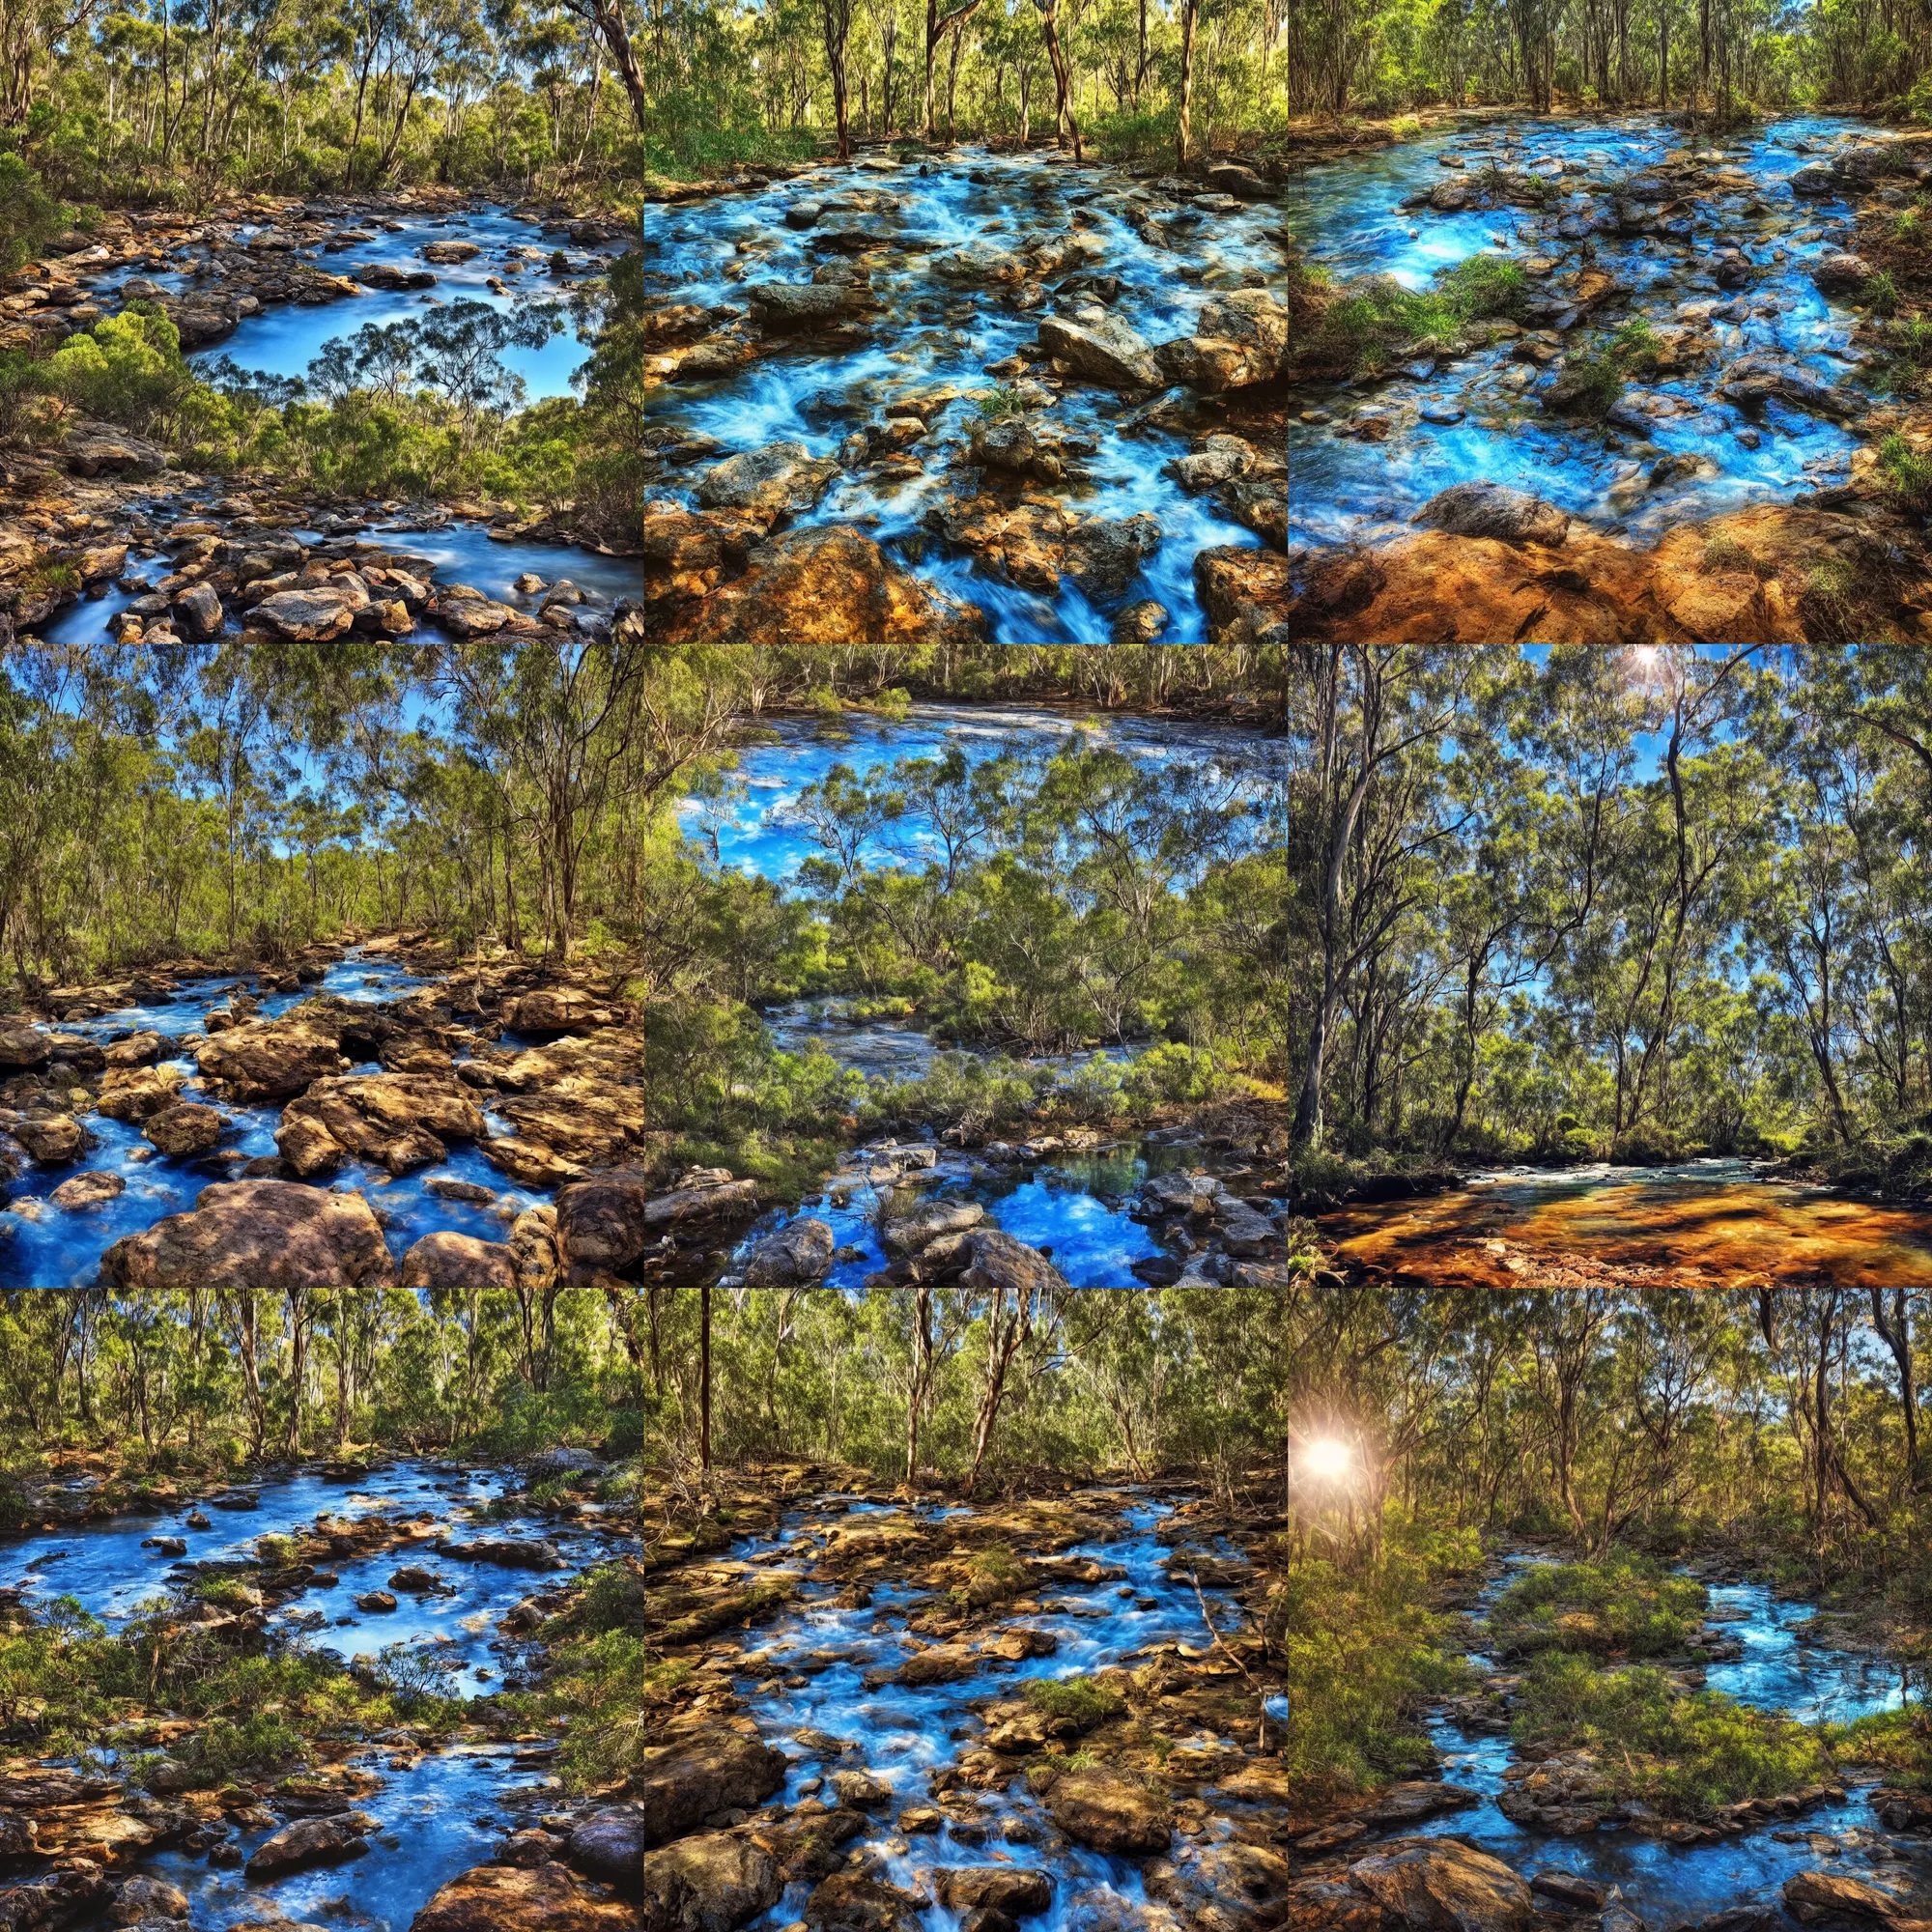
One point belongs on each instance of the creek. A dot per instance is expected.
(1355, 468)
(935, 339)
(819, 1681)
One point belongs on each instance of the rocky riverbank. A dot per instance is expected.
(1081, 418)
(1677, 352)
(865, 1708)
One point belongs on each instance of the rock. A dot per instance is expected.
(265, 1059)
(1140, 623)
(319, 613)
(413, 1580)
(394, 1121)
(1435, 1882)
(997, 1261)
(1814, 1897)
(828, 584)
(386, 276)
(803, 213)
(1228, 1887)
(1014, 443)
(798, 1255)
(534, 1898)
(1019, 1894)
(256, 1233)
(1244, 592)
(847, 1902)
(1756, 378)
(139, 1049)
(1841, 274)
(1490, 510)
(711, 1882)
(1814, 182)
(562, 1010)
(607, 1222)
(449, 1259)
(673, 1789)
(51, 1139)
(87, 1190)
(22, 1045)
(778, 307)
(199, 607)
(861, 1791)
(1567, 1888)
(92, 448)
(780, 477)
(132, 1093)
(313, 1842)
(909, 1233)
(376, 1602)
(443, 252)
(1231, 178)
(185, 1130)
(512, 1552)
(1110, 1813)
(1241, 338)
(1107, 350)
(139, 1899)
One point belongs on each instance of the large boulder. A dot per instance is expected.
(533, 1898)
(673, 1789)
(711, 1882)
(1110, 1813)
(1007, 1888)
(1232, 1887)
(392, 1121)
(94, 448)
(185, 1130)
(828, 584)
(558, 1009)
(449, 1259)
(1816, 1899)
(796, 1256)
(51, 1139)
(1244, 592)
(265, 1059)
(1105, 350)
(22, 1044)
(1241, 338)
(998, 1262)
(313, 1842)
(1435, 1885)
(851, 1902)
(605, 1223)
(317, 614)
(256, 1233)
(780, 306)
(135, 1093)
(1491, 510)
(780, 478)
(1841, 274)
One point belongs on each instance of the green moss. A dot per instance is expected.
(992, 1576)
(1624, 1607)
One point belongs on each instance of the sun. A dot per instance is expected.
(1327, 1459)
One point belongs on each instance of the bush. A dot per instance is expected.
(1624, 1607)
(1485, 286)
(1679, 1751)
(1907, 474)
(1880, 294)
(1086, 1701)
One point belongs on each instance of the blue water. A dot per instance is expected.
(935, 334)
(1347, 220)
(42, 1245)
(283, 340)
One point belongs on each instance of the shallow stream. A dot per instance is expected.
(1349, 219)
(937, 335)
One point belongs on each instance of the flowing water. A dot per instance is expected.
(814, 1674)
(45, 1245)
(1349, 219)
(439, 1815)
(283, 339)
(1665, 1882)
(936, 337)
(1716, 1223)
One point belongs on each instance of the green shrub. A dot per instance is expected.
(1682, 1752)
(1626, 1605)
(1880, 294)
(1085, 1700)
(1907, 474)
(1485, 286)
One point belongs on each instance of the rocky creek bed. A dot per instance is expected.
(860, 1732)
(982, 395)
(1669, 432)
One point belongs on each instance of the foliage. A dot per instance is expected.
(1623, 1606)
(1682, 1752)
